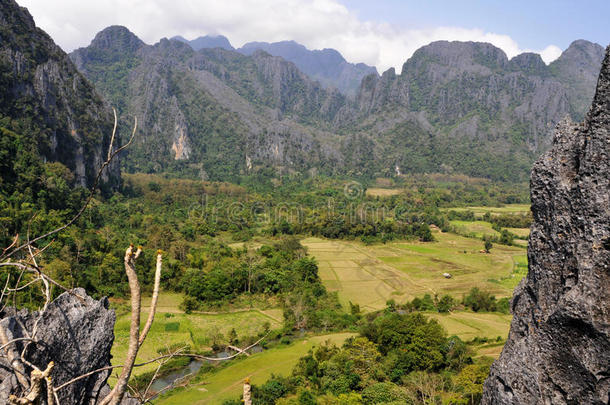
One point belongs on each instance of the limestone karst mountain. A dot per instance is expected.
(456, 107)
(558, 350)
(47, 106)
(207, 41)
(325, 65)
(213, 108)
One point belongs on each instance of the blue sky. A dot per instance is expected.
(382, 33)
(533, 24)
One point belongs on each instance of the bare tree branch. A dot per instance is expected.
(33, 396)
(13, 359)
(155, 297)
(116, 394)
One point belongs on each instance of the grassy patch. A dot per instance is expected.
(468, 325)
(173, 329)
(478, 229)
(520, 232)
(227, 382)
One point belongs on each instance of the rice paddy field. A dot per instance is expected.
(506, 209)
(371, 275)
(368, 275)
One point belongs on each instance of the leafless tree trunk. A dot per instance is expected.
(247, 392)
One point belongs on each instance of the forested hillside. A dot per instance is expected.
(55, 129)
(48, 111)
(455, 108)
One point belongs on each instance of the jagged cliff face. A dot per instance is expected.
(47, 101)
(214, 108)
(558, 350)
(456, 107)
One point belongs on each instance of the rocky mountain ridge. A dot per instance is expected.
(325, 65)
(456, 107)
(210, 111)
(47, 102)
(558, 350)
(464, 96)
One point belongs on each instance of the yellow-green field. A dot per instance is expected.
(371, 275)
(468, 325)
(520, 232)
(476, 228)
(174, 328)
(382, 192)
(227, 382)
(506, 209)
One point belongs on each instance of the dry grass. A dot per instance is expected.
(382, 192)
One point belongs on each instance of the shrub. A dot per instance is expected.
(172, 326)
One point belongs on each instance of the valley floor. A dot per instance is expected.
(367, 275)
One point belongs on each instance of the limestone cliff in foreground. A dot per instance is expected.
(558, 350)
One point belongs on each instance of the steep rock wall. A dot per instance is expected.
(558, 350)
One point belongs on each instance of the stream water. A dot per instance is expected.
(169, 380)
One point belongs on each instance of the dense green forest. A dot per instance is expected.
(397, 358)
(193, 221)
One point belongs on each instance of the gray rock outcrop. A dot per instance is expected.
(76, 335)
(558, 350)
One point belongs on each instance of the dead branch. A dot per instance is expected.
(14, 359)
(36, 377)
(155, 297)
(116, 394)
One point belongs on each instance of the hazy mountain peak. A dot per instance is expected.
(583, 51)
(207, 41)
(461, 54)
(117, 38)
(579, 65)
(327, 65)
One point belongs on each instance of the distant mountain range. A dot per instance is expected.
(459, 107)
(327, 65)
(208, 41)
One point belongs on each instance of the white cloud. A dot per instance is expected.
(314, 23)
